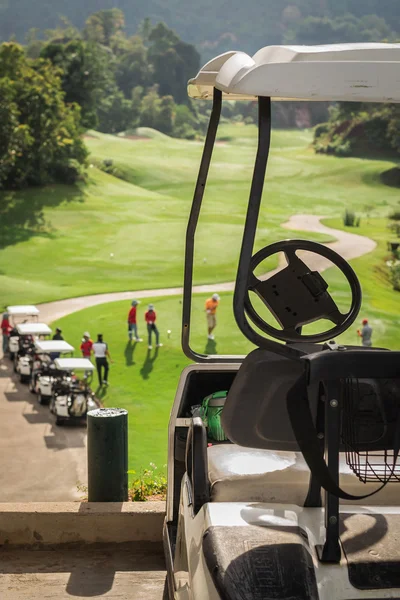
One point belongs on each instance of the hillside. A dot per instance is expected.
(217, 26)
(115, 234)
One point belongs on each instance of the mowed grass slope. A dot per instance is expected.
(144, 382)
(142, 220)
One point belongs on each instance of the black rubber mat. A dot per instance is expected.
(259, 563)
(371, 543)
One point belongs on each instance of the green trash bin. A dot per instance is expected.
(211, 409)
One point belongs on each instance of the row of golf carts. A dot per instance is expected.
(48, 366)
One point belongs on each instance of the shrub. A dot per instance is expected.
(395, 228)
(349, 218)
(321, 130)
(343, 150)
(395, 215)
(148, 484)
(394, 269)
(69, 172)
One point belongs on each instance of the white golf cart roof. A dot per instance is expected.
(22, 310)
(74, 364)
(336, 72)
(47, 346)
(33, 329)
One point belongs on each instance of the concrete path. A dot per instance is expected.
(124, 571)
(348, 245)
(42, 462)
(38, 461)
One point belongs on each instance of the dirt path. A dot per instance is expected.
(348, 245)
(42, 462)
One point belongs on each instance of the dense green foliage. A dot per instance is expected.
(39, 133)
(357, 129)
(219, 26)
(120, 81)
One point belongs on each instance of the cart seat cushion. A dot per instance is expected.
(238, 474)
(260, 562)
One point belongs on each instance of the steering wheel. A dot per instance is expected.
(297, 296)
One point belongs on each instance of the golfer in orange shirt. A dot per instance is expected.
(211, 309)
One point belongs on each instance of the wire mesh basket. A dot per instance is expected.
(371, 428)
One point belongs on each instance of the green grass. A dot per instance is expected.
(142, 220)
(381, 304)
(144, 382)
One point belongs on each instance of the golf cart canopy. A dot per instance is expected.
(23, 310)
(45, 347)
(74, 364)
(33, 329)
(336, 72)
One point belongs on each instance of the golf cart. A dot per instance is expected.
(28, 333)
(246, 518)
(19, 314)
(43, 367)
(71, 396)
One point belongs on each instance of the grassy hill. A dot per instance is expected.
(114, 234)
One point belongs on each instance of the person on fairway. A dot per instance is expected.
(211, 310)
(86, 345)
(365, 334)
(101, 353)
(5, 330)
(150, 318)
(132, 325)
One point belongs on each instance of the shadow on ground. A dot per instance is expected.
(115, 570)
(129, 352)
(22, 212)
(211, 347)
(148, 364)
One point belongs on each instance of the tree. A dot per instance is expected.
(173, 62)
(102, 26)
(166, 116)
(114, 112)
(40, 134)
(150, 108)
(132, 68)
(85, 70)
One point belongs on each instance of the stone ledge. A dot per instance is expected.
(39, 523)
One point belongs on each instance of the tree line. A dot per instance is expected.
(215, 27)
(54, 89)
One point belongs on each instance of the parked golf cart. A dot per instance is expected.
(71, 396)
(16, 315)
(245, 517)
(43, 367)
(28, 333)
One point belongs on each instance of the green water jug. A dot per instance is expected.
(211, 409)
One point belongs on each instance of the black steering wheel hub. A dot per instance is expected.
(297, 296)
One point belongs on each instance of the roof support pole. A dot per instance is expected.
(249, 234)
(192, 226)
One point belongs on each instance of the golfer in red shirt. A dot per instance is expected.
(150, 318)
(5, 330)
(87, 345)
(132, 325)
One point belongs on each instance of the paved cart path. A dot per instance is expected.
(42, 462)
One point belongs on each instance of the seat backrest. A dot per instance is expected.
(255, 413)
